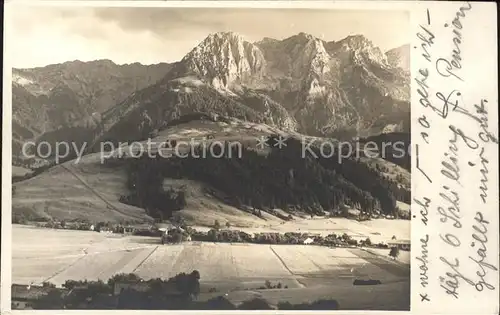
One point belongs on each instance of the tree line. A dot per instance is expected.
(177, 293)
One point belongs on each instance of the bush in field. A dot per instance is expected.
(394, 253)
(255, 304)
(268, 284)
(218, 303)
(175, 236)
(368, 242)
(345, 237)
(123, 277)
(316, 305)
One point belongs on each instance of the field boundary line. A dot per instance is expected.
(285, 266)
(98, 195)
(312, 261)
(149, 255)
(384, 263)
(66, 268)
(384, 258)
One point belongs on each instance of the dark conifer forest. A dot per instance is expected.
(281, 178)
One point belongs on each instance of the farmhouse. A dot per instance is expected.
(128, 230)
(309, 241)
(401, 244)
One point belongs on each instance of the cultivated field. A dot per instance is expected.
(309, 272)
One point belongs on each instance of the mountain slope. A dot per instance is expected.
(399, 57)
(73, 94)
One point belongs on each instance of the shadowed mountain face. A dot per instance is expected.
(341, 89)
(399, 57)
(73, 94)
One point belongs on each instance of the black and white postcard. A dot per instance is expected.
(250, 155)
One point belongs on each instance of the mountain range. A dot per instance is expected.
(302, 83)
(226, 88)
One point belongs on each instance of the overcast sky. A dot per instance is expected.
(48, 35)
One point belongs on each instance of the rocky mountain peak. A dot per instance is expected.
(299, 56)
(225, 58)
(399, 57)
(305, 35)
(267, 40)
(362, 49)
(316, 56)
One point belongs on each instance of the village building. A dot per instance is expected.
(308, 241)
(128, 230)
(401, 244)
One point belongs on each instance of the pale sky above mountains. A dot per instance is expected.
(48, 35)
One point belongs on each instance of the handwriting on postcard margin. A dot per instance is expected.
(441, 104)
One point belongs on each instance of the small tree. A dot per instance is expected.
(394, 253)
(121, 277)
(268, 284)
(217, 225)
(228, 225)
(368, 242)
(393, 237)
(345, 237)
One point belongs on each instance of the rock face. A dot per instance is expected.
(224, 59)
(399, 57)
(337, 89)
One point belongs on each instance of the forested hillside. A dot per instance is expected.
(281, 178)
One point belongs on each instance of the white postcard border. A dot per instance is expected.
(418, 16)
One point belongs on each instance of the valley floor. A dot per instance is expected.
(309, 272)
